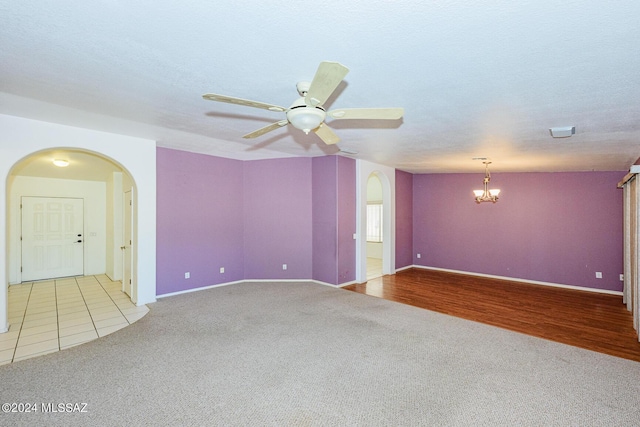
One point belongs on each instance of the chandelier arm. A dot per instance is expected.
(487, 196)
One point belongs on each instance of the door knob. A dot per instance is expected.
(79, 241)
(123, 247)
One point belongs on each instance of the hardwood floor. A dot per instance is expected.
(595, 321)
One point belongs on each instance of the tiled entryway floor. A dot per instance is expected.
(52, 315)
(374, 268)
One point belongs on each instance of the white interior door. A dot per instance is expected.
(127, 243)
(52, 238)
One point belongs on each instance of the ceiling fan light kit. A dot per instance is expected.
(304, 117)
(307, 112)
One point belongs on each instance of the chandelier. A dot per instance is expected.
(486, 195)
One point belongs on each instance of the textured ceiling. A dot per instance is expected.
(476, 79)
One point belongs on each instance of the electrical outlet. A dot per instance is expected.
(284, 266)
(187, 275)
(622, 277)
(418, 255)
(221, 269)
(598, 274)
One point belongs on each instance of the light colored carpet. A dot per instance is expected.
(300, 354)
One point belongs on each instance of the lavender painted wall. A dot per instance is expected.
(551, 227)
(404, 219)
(252, 217)
(199, 226)
(346, 219)
(334, 219)
(277, 218)
(325, 219)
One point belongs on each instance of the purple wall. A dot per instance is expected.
(346, 219)
(251, 218)
(199, 228)
(277, 218)
(404, 219)
(550, 227)
(325, 219)
(334, 219)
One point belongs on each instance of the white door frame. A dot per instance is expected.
(128, 286)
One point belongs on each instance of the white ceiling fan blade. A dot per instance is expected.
(327, 134)
(269, 128)
(240, 101)
(326, 80)
(367, 113)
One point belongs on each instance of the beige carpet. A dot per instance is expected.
(290, 354)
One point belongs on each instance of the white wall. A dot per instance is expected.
(114, 226)
(374, 250)
(21, 137)
(374, 194)
(94, 235)
(374, 189)
(109, 228)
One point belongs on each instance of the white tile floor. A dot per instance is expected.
(374, 268)
(52, 315)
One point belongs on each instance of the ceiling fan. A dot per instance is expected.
(307, 113)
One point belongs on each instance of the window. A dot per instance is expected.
(374, 222)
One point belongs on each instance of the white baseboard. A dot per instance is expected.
(186, 291)
(532, 282)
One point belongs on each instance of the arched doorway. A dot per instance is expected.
(386, 177)
(69, 256)
(99, 185)
(20, 137)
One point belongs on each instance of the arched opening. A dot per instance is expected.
(21, 137)
(70, 233)
(375, 227)
(100, 182)
(386, 177)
